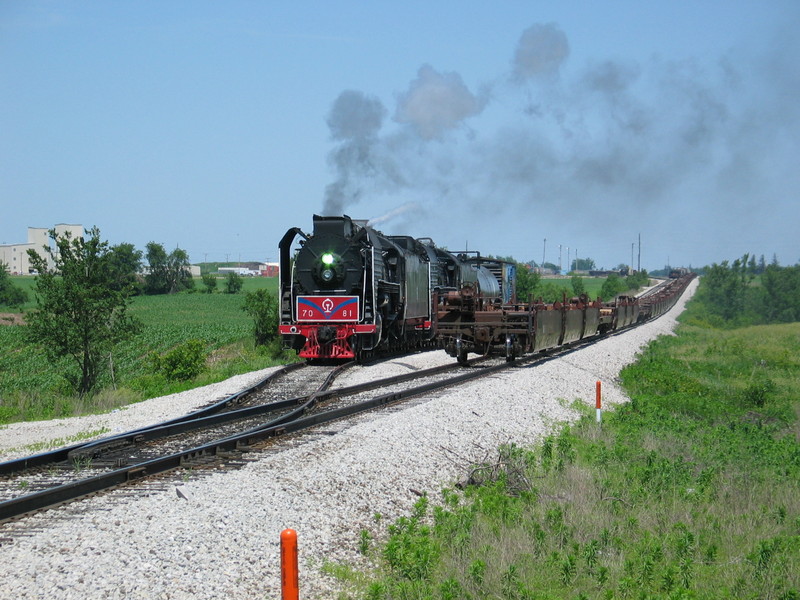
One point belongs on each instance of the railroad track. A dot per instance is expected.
(96, 467)
(264, 402)
(222, 433)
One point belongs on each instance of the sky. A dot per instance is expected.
(529, 129)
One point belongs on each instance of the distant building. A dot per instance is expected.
(270, 269)
(252, 269)
(243, 271)
(15, 256)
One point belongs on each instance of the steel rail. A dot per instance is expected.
(238, 443)
(244, 441)
(63, 454)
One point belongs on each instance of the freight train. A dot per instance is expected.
(348, 291)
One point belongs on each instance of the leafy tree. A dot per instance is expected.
(126, 264)
(210, 282)
(725, 288)
(527, 282)
(233, 283)
(762, 265)
(612, 287)
(637, 279)
(781, 294)
(577, 285)
(168, 273)
(582, 264)
(550, 292)
(10, 294)
(80, 315)
(263, 307)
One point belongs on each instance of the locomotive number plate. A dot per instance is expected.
(327, 308)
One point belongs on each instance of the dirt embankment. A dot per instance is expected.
(12, 319)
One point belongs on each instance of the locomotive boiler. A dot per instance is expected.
(349, 290)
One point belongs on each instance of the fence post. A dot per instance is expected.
(290, 579)
(598, 403)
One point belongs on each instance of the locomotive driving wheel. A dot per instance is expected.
(461, 352)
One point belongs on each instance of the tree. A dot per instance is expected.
(527, 282)
(781, 294)
(725, 288)
(10, 295)
(612, 286)
(126, 264)
(263, 307)
(233, 283)
(168, 273)
(578, 287)
(582, 264)
(210, 282)
(80, 315)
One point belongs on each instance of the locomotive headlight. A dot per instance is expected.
(328, 269)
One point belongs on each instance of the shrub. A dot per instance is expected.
(210, 282)
(263, 307)
(182, 362)
(613, 286)
(577, 285)
(233, 283)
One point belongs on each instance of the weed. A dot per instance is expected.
(81, 463)
(364, 540)
(477, 572)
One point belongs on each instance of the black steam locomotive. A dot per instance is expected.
(347, 290)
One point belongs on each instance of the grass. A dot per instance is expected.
(592, 285)
(65, 441)
(31, 388)
(691, 490)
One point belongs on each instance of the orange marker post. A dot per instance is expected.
(290, 578)
(598, 403)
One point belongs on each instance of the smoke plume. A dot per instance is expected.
(541, 51)
(436, 103)
(603, 137)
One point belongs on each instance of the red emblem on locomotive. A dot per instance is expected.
(327, 308)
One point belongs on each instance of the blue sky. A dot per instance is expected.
(217, 126)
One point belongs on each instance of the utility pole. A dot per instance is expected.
(631, 256)
(544, 253)
(639, 260)
(559, 259)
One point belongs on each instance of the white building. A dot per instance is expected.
(15, 256)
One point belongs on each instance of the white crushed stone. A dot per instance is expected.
(16, 438)
(223, 540)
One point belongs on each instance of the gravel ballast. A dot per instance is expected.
(221, 539)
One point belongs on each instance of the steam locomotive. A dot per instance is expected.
(348, 291)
